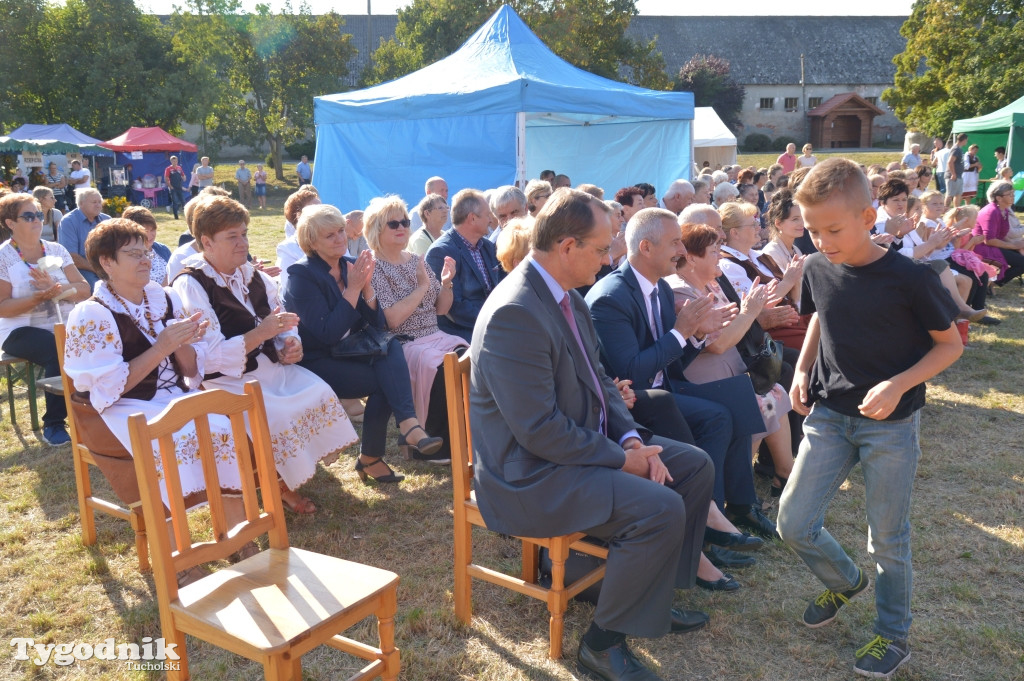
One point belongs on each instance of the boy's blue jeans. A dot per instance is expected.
(888, 452)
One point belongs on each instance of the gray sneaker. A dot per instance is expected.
(825, 607)
(880, 658)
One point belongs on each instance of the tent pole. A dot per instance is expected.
(521, 149)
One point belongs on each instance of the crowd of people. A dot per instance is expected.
(631, 356)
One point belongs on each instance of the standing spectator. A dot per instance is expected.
(244, 178)
(972, 172)
(76, 225)
(259, 179)
(78, 179)
(174, 178)
(56, 181)
(129, 183)
(205, 173)
(1001, 160)
(955, 171)
(303, 170)
(808, 159)
(788, 159)
(912, 159)
(193, 182)
(940, 154)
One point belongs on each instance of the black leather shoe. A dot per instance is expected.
(754, 520)
(732, 540)
(726, 583)
(724, 558)
(614, 664)
(688, 620)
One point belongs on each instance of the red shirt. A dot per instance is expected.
(787, 161)
(167, 175)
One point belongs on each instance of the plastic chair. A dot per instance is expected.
(467, 515)
(83, 457)
(20, 369)
(274, 606)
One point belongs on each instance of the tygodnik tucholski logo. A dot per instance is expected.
(151, 655)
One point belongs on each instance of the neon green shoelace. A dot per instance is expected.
(876, 648)
(830, 596)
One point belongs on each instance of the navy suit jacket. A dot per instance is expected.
(324, 315)
(468, 288)
(628, 348)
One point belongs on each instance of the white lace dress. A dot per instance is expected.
(307, 422)
(94, 361)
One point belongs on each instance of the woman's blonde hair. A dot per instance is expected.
(514, 242)
(313, 221)
(736, 215)
(376, 215)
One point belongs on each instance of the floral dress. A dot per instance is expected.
(307, 422)
(94, 361)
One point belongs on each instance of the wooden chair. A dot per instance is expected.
(467, 515)
(272, 607)
(19, 369)
(83, 457)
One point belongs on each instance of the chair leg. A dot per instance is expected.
(30, 383)
(386, 634)
(463, 583)
(181, 673)
(531, 555)
(85, 512)
(557, 601)
(141, 543)
(283, 667)
(10, 391)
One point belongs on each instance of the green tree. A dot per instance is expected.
(963, 58)
(23, 79)
(279, 62)
(707, 77)
(590, 34)
(108, 68)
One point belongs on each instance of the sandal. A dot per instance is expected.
(363, 470)
(425, 445)
(193, 574)
(296, 503)
(776, 492)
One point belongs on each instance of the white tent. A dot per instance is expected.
(712, 140)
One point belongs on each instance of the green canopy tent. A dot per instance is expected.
(1001, 128)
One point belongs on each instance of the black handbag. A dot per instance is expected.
(367, 344)
(765, 368)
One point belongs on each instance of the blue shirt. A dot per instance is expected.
(303, 171)
(74, 228)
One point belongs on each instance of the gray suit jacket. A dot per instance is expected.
(542, 463)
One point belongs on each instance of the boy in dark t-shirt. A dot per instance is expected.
(881, 327)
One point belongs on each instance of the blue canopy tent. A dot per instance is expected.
(497, 111)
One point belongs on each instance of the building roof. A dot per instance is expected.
(849, 101)
(766, 50)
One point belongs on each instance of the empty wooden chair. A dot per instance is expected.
(467, 514)
(274, 606)
(83, 457)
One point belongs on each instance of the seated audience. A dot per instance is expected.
(188, 247)
(514, 243)
(288, 251)
(434, 185)
(76, 225)
(593, 190)
(537, 193)
(631, 199)
(161, 254)
(33, 298)
(724, 193)
(334, 297)
(434, 212)
(680, 194)
(994, 224)
(46, 199)
(701, 191)
(251, 337)
(412, 298)
(354, 233)
(506, 202)
(477, 271)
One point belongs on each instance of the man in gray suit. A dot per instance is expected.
(556, 450)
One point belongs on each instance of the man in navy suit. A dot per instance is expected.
(642, 339)
(477, 271)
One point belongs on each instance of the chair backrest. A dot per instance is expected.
(60, 335)
(195, 409)
(456, 380)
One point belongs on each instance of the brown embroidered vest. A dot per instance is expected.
(235, 319)
(134, 343)
(752, 270)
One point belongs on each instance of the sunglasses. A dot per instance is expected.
(31, 216)
(398, 224)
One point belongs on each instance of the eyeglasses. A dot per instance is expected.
(31, 216)
(440, 207)
(138, 254)
(398, 224)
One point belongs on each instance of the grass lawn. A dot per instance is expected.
(968, 525)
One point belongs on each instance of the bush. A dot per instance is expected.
(782, 142)
(300, 149)
(756, 142)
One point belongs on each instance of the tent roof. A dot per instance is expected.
(502, 68)
(1000, 119)
(148, 139)
(59, 134)
(11, 145)
(709, 130)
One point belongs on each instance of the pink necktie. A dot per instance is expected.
(569, 317)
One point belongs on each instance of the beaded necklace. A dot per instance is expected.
(20, 255)
(145, 311)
